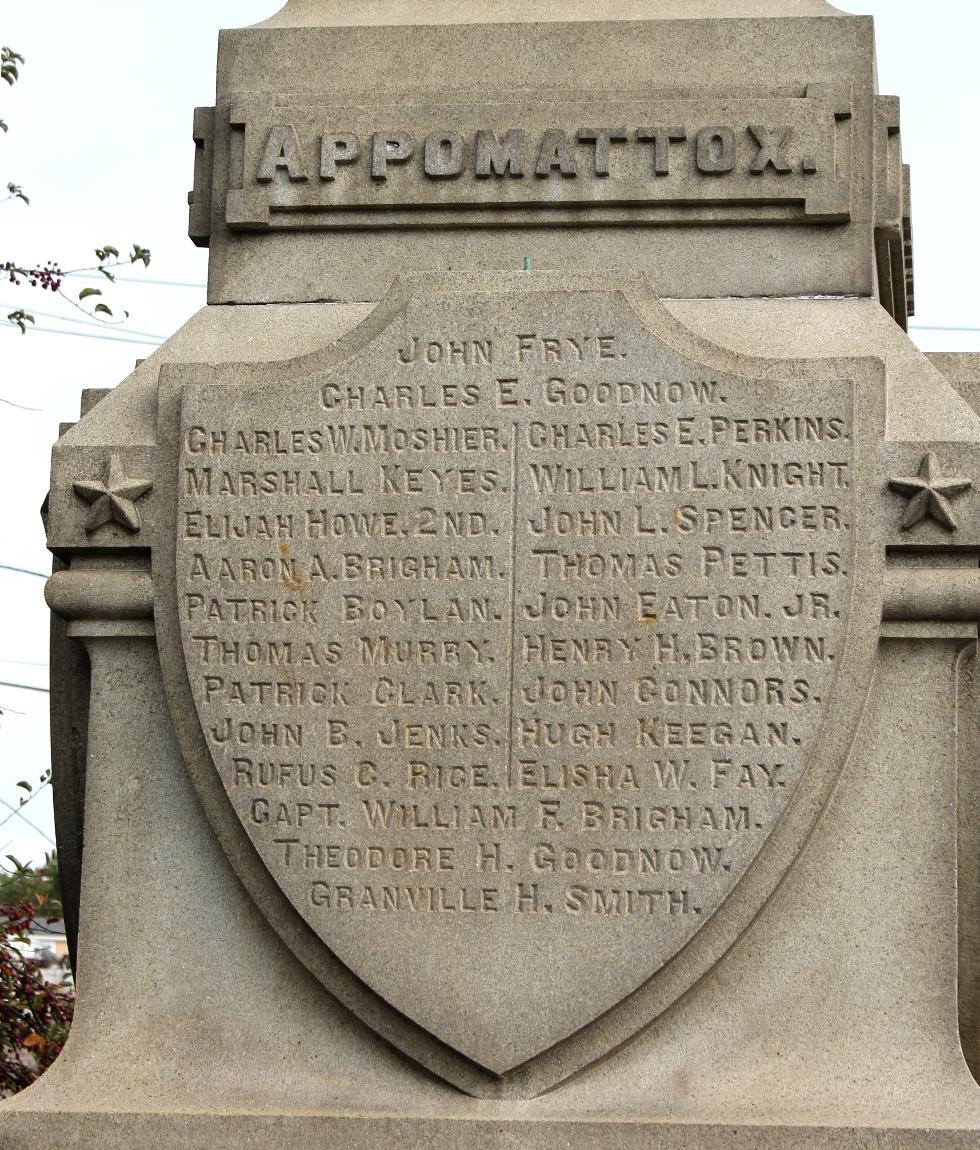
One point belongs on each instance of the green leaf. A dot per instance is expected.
(18, 865)
(108, 275)
(25, 786)
(103, 308)
(21, 318)
(86, 292)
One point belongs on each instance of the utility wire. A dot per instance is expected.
(16, 811)
(89, 322)
(139, 280)
(24, 687)
(933, 327)
(19, 406)
(88, 335)
(23, 571)
(22, 663)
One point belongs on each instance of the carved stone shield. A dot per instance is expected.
(514, 649)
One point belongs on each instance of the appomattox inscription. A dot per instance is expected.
(512, 636)
(678, 159)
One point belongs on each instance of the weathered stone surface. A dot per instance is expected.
(339, 167)
(968, 873)
(523, 617)
(808, 82)
(962, 369)
(558, 697)
(889, 1077)
(764, 986)
(301, 13)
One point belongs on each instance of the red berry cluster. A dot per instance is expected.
(47, 278)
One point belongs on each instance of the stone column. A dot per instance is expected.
(108, 604)
(943, 605)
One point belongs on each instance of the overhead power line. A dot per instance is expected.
(19, 406)
(25, 687)
(33, 826)
(140, 280)
(89, 323)
(934, 327)
(24, 571)
(92, 335)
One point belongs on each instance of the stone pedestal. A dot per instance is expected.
(532, 697)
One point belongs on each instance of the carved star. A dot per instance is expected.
(930, 494)
(113, 500)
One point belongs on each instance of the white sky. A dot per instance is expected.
(100, 140)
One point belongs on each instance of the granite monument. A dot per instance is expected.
(530, 614)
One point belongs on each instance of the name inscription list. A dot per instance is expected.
(520, 617)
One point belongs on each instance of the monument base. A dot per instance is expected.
(831, 1022)
(821, 1028)
(54, 1131)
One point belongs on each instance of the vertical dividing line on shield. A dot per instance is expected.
(513, 598)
